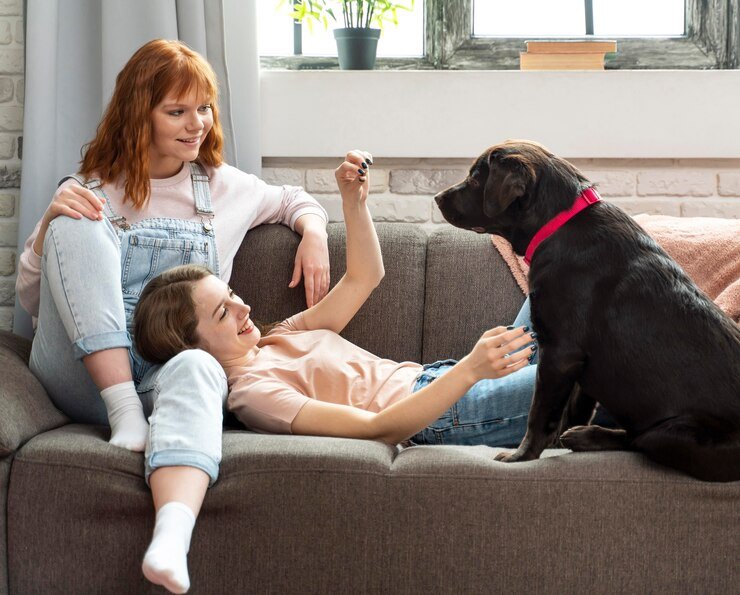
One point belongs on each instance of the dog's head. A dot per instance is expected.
(511, 190)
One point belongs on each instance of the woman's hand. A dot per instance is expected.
(496, 354)
(352, 177)
(76, 202)
(73, 201)
(312, 260)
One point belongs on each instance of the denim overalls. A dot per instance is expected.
(87, 267)
(153, 246)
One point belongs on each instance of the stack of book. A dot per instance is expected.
(565, 55)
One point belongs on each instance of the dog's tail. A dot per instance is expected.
(708, 451)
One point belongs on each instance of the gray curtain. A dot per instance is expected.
(75, 49)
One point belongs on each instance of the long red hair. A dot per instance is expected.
(120, 149)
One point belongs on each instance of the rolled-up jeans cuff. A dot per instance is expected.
(101, 341)
(182, 458)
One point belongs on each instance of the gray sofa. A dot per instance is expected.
(293, 514)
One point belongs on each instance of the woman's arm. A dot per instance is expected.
(494, 356)
(364, 259)
(312, 258)
(293, 207)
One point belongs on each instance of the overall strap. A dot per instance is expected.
(202, 193)
(96, 187)
(201, 189)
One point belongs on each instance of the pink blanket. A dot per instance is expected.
(708, 249)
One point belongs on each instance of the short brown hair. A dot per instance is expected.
(165, 322)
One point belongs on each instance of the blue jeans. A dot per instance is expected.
(83, 309)
(493, 412)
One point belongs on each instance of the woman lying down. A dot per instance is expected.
(303, 378)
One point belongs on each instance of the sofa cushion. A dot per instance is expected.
(25, 409)
(469, 289)
(18, 345)
(390, 322)
(309, 514)
(5, 464)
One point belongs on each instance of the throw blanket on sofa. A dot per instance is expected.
(708, 249)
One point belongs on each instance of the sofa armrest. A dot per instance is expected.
(25, 408)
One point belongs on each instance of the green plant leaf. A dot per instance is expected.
(356, 13)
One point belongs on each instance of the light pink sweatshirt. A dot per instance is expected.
(241, 201)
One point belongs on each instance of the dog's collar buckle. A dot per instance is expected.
(585, 199)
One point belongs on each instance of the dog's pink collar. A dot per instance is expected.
(588, 197)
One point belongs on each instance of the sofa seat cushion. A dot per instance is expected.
(297, 513)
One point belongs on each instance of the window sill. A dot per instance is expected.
(455, 114)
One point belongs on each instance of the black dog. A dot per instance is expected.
(615, 317)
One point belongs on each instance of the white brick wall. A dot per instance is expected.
(11, 125)
(402, 189)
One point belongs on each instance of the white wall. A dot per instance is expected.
(456, 114)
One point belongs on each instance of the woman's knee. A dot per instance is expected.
(197, 372)
(81, 233)
(80, 227)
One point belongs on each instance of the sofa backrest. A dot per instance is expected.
(469, 289)
(438, 295)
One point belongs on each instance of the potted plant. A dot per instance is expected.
(357, 41)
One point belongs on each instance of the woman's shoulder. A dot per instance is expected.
(292, 324)
(229, 174)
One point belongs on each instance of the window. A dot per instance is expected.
(568, 18)
(404, 40)
(489, 34)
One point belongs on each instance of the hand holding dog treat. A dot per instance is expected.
(351, 175)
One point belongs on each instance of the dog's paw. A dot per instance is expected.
(587, 438)
(510, 457)
(575, 438)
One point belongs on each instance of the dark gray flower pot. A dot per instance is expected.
(356, 47)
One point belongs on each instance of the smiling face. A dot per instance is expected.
(179, 127)
(224, 327)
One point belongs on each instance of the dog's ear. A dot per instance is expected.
(507, 181)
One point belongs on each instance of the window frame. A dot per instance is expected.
(712, 41)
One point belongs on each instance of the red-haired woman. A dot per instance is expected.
(152, 192)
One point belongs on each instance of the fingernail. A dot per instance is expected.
(533, 335)
(530, 359)
(361, 172)
(533, 348)
(364, 165)
(370, 162)
(509, 328)
(526, 328)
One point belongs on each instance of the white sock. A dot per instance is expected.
(128, 425)
(165, 562)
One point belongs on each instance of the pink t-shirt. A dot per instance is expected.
(295, 365)
(240, 200)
